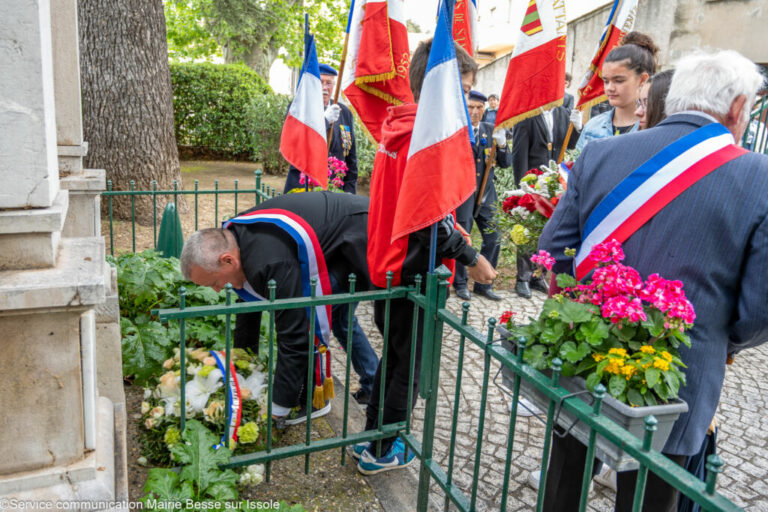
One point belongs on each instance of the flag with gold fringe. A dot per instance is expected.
(465, 25)
(620, 21)
(376, 69)
(535, 78)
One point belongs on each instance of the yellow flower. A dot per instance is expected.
(628, 371)
(215, 411)
(647, 349)
(519, 235)
(618, 351)
(614, 366)
(598, 357)
(661, 364)
(666, 355)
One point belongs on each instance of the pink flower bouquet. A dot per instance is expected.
(618, 329)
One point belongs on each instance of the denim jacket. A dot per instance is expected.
(599, 127)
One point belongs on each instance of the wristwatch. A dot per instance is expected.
(474, 260)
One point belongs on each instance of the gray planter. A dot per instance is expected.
(630, 418)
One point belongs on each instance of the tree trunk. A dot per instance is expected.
(127, 97)
(257, 57)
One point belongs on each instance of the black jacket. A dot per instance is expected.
(480, 150)
(342, 147)
(530, 145)
(340, 222)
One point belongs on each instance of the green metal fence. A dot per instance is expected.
(756, 135)
(437, 318)
(260, 192)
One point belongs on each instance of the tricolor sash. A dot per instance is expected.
(652, 186)
(234, 413)
(312, 263)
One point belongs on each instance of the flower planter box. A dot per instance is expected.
(630, 418)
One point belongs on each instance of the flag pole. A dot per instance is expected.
(481, 190)
(565, 143)
(342, 64)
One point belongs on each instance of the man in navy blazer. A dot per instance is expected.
(713, 237)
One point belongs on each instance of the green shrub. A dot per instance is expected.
(209, 107)
(366, 151)
(266, 115)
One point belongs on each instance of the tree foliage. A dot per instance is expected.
(255, 32)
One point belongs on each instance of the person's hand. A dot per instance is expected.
(483, 272)
(332, 113)
(500, 138)
(576, 119)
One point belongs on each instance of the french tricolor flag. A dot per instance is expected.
(440, 172)
(303, 140)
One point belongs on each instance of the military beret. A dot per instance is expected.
(477, 96)
(325, 69)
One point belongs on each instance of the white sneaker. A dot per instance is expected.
(534, 477)
(606, 477)
(526, 408)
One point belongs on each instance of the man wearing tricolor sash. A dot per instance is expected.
(291, 240)
(689, 204)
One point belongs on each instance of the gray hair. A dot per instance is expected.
(711, 81)
(203, 248)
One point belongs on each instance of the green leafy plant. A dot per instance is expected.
(265, 116)
(366, 151)
(200, 477)
(617, 330)
(209, 107)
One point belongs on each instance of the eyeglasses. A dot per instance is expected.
(642, 103)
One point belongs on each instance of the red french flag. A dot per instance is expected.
(303, 140)
(376, 69)
(621, 21)
(536, 74)
(440, 173)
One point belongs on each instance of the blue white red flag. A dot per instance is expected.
(440, 172)
(303, 139)
(235, 411)
(652, 186)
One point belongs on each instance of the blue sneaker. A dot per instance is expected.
(358, 449)
(393, 459)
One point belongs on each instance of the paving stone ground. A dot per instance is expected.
(742, 443)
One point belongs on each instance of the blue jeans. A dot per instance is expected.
(364, 359)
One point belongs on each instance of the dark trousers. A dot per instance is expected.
(489, 249)
(566, 469)
(524, 267)
(364, 359)
(396, 406)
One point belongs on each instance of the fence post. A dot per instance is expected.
(437, 287)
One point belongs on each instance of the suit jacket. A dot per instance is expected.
(530, 144)
(713, 237)
(568, 102)
(480, 149)
(267, 253)
(342, 147)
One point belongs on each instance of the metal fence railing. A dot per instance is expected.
(432, 304)
(254, 196)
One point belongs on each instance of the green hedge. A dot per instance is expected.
(266, 115)
(210, 108)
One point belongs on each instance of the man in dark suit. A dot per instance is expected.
(713, 237)
(342, 139)
(484, 138)
(568, 98)
(536, 141)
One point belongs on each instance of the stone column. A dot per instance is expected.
(28, 163)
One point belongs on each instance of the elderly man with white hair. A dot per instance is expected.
(710, 231)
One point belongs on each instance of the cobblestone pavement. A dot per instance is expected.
(742, 442)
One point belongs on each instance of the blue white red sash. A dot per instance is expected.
(235, 411)
(653, 185)
(310, 256)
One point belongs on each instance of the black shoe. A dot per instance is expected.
(463, 294)
(488, 294)
(361, 396)
(522, 289)
(540, 285)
